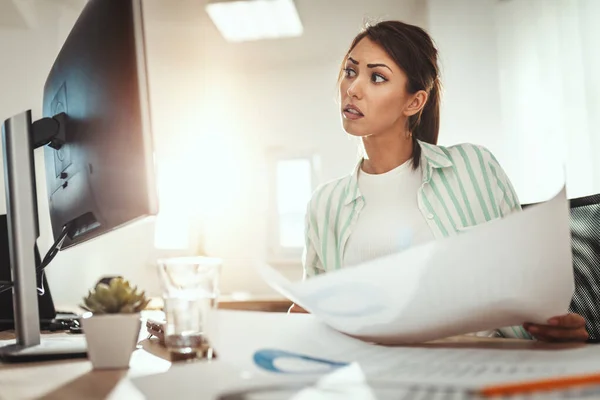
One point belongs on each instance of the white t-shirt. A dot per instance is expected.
(391, 220)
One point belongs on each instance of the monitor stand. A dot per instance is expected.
(19, 138)
(51, 347)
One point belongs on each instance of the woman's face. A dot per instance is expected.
(373, 95)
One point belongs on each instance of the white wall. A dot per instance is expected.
(463, 31)
(589, 32)
(519, 80)
(543, 95)
(27, 55)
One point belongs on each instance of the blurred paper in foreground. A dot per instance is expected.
(503, 273)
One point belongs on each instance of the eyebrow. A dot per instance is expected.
(353, 61)
(379, 65)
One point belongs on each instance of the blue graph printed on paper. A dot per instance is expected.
(266, 358)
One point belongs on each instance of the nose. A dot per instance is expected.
(355, 89)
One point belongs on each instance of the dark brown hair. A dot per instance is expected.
(415, 53)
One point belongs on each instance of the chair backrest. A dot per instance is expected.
(585, 242)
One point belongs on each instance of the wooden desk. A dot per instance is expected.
(267, 303)
(248, 303)
(75, 379)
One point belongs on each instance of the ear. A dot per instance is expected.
(416, 103)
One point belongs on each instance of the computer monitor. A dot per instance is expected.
(103, 176)
(99, 159)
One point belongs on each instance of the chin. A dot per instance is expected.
(353, 129)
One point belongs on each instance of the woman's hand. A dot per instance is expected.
(564, 328)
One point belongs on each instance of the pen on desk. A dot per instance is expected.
(542, 385)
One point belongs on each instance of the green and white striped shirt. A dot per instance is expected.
(463, 186)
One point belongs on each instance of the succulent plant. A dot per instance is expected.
(117, 297)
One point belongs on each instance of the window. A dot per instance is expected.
(293, 183)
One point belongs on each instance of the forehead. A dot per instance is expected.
(367, 51)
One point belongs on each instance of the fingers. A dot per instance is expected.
(571, 320)
(564, 328)
(550, 334)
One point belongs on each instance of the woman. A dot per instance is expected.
(406, 190)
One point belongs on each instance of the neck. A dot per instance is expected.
(384, 153)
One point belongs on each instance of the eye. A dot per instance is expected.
(378, 78)
(349, 72)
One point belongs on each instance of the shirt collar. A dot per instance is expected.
(352, 192)
(432, 156)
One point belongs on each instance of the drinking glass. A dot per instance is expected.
(190, 292)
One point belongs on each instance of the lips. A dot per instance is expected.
(352, 112)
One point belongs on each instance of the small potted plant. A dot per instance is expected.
(112, 325)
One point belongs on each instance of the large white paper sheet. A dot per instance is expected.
(509, 271)
(241, 337)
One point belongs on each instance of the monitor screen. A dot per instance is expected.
(103, 176)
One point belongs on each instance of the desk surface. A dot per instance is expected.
(75, 379)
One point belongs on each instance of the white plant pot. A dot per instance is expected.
(111, 338)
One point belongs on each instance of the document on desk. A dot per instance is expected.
(300, 344)
(503, 273)
(296, 346)
(260, 349)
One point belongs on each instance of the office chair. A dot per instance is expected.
(585, 244)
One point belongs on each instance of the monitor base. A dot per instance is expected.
(50, 348)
